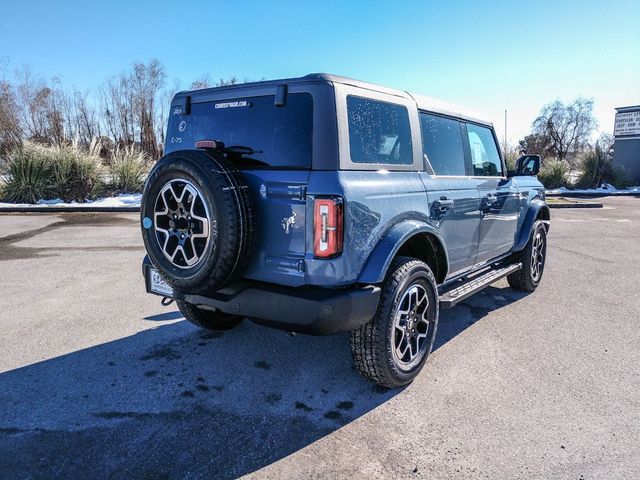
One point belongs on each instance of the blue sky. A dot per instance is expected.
(484, 55)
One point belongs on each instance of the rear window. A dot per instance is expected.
(282, 134)
(379, 132)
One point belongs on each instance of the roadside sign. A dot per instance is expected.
(627, 123)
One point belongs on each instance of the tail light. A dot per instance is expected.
(327, 227)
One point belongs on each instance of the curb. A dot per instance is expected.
(592, 195)
(575, 205)
(46, 209)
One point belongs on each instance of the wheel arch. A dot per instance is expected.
(538, 210)
(544, 214)
(413, 239)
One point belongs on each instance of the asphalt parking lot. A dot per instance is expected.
(97, 379)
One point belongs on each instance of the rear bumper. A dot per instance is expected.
(314, 311)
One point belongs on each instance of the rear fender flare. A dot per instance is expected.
(384, 252)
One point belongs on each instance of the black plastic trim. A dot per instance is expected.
(310, 310)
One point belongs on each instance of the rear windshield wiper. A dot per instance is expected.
(221, 147)
(233, 152)
(240, 150)
(236, 153)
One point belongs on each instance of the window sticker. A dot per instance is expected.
(239, 103)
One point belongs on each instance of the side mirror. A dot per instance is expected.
(527, 165)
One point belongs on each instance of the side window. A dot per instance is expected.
(485, 159)
(442, 144)
(379, 132)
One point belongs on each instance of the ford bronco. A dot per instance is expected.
(323, 204)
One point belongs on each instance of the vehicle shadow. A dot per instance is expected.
(454, 321)
(174, 401)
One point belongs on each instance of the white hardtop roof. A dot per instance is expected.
(424, 103)
(445, 108)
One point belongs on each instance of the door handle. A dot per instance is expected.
(490, 199)
(443, 204)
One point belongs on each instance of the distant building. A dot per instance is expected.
(626, 149)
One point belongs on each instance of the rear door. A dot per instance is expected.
(499, 199)
(454, 206)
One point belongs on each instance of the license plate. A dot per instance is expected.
(158, 285)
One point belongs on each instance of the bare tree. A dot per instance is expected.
(203, 82)
(85, 114)
(32, 98)
(53, 108)
(606, 142)
(129, 109)
(10, 130)
(116, 109)
(164, 107)
(129, 105)
(80, 117)
(229, 81)
(146, 82)
(42, 107)
(567, 127)
(536, 144)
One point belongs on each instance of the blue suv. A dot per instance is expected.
(323, 204)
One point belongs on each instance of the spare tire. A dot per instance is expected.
(197, 220)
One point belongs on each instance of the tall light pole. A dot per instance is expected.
(505, 133)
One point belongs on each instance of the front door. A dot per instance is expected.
(454, 204)
(499, 198)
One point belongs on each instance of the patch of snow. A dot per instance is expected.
(605, 188)
(53, 201)
(124, 200)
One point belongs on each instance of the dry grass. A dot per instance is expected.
(129, 169)
(34, 172)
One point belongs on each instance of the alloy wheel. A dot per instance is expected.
(412, 328)
(537, 257)
(182, 223)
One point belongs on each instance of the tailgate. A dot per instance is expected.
(279, 249)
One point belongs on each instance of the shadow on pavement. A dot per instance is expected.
(454, 321)
(173, 401)
(163, 317)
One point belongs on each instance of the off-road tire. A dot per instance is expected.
(371, 344)
(523, 280)
(208, 319)
(226, 194)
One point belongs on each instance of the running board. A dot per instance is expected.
(449, 298)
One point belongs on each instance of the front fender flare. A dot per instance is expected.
(535, 207)
(383, 253)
